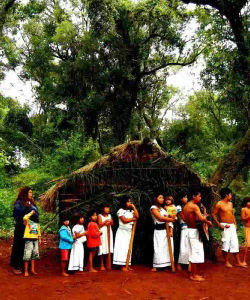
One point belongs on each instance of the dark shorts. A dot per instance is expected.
(31, 251)
(93, 249)
(64, 254)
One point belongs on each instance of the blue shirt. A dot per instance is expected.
(66, 239)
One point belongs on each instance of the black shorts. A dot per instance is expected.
(94, 249)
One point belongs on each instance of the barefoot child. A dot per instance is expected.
(94, 240)
(32, 235)
(105, 223)
(77, 252)
(227, 223)
(127, 214)
(65, 244)
(159, 215)
(245, 217)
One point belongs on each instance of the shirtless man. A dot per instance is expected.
(227, 223)
(245, 217)
(192, 213)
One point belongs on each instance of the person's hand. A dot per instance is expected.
(209, 223)
(227, 226)
(33, 212)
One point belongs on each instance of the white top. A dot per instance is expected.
(79, 229)
(128, 214)
(162, 213)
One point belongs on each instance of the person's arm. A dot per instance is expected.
(93, 231)
(214, 216)
(65, 236)
(136, 214)
(200, 217)
(100, 223)
(127, 220)
(159, 217)
(244, 216)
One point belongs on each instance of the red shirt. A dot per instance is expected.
(94, 234)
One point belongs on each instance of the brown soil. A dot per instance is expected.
(220, 283)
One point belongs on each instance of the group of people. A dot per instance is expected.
(190, 216)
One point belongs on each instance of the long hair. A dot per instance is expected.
(155, 201)
(23, 196)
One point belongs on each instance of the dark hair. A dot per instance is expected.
(23, 196)
(104, 205)
(245, 201)
(90, 214)
(123, 200)
(169, 197)
(155, 201)
(64, 218)
(194, 192)
(76, 217)
(179, 197)
(224, 192)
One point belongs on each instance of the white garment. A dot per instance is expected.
(161, 257)
(196, 250)
(184, 252)
(229, 239)
(122, 238)
(76, 260)
(103, 248)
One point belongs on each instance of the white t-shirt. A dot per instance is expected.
(128, 214)
(162, 213)
(79, 229)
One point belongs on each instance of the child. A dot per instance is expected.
(77, 252)
(32, 235)
(105, 222)
(127, 214)
(65, 243)
(94, 240)
(245, 217)
(171, 210)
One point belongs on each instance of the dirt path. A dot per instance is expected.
(221, 283)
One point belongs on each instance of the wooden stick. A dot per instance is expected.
(109, 254)
(130, 244)
(170, 248)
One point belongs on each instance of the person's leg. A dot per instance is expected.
(26, 268)
(226, 259)
(16, 259)
(238, 261)
(63, 268)
(194, 273)
(102, 263)
(91, 258)
(32, 270)
(245, 256)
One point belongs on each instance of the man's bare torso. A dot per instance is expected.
(225, 212)
(247, 214)
(190, 215)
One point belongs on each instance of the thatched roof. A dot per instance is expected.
(132, 155)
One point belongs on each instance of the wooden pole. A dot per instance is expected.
(109, 254)
(170, 248)
(130, 244)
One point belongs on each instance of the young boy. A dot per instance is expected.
(227, 223)
(32, 235)
(65, 243)
(245, 217)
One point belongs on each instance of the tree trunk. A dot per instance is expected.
(232, 164)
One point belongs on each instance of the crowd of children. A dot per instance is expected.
(164, 212)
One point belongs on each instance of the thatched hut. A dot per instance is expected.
(139, 169)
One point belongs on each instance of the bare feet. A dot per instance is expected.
(125, 269)
(196, 278)
(102, 269)
(17, 272)
(65, 274)
(228, 265)
(93, 270)
(241, 265)
(130, 269)
(244, 263)
(26, 274)
(33, 272)
(153, 270)
(179, 268)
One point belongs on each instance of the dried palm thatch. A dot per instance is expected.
(127, 167)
